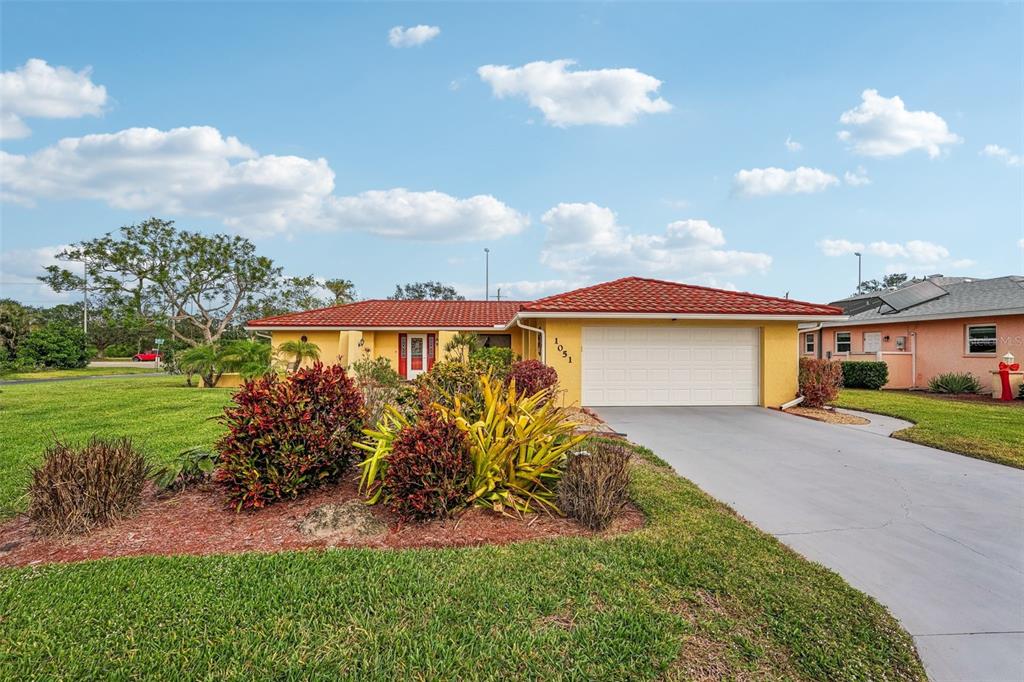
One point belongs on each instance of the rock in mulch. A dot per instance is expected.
(350, 519)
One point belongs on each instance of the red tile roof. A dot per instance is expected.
(627, 295)
(641, 295)
(401, 314)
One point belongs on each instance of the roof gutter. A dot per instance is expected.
(896, 318)
(378, 328)
(680, 316)
(537, 330)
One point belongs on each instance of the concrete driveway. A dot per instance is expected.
(936, 537)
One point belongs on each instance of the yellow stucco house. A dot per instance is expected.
(633, 341)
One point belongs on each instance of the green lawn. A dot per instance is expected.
(162, 414)
(697, 593)
(77, 372)
(991, 432)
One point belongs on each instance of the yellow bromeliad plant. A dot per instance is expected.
(518, 446)
(378, 448)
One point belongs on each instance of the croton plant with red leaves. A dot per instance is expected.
(288, 434)
(429, 469)
(532, 376)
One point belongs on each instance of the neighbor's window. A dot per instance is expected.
(981, 339)
(809, 343)
(842, 342)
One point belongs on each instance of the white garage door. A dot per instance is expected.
(670, 366)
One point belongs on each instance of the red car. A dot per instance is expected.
(147, 356)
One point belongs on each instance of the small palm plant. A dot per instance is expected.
(201, 360)
(300, 351)
(249, 358)
(461, 346)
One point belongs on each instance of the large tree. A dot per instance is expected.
(15, 325)
(426, 291)
(289, 295)
(195, 283)
(887, 283)
(343, 289)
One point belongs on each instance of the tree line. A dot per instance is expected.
(153, 280)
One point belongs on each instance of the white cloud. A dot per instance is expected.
(1002, 153)
(586, 242)
(198, 171)
(522, 290)
(603, 96)
(911, 254)
(760, 182)
(1020, 243)
(792, 145)
(414, 36)
(839, 247)
(19, 269)
(882, 126)
(859, 178)
(426, 215)
(38, 90)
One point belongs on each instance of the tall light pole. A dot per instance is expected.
(487, 274)
(860, 282)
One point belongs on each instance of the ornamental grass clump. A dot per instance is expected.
(954, 382)
(594, 485)
(77, 489)
(288, 435)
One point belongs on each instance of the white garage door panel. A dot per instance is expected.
(666, 366)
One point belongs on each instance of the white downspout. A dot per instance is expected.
(543, 345)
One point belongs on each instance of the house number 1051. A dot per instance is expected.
(561, 349)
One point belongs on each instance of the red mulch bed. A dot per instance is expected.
(197, 522)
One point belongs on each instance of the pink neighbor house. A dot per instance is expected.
(925, 328)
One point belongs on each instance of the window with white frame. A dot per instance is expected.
(809, 343)
(843, 342)
(981, 339)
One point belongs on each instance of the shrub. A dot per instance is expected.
(954, 382)
(248, 357)
(56, 345)
(76, 489)
(820, 381)
(381, 386)
(190, 467)
(518, 445)
(120, 350)
(288, 435)
(532, 377)
(450, 379)
(428, 470)
(493, 360)
(872, 375)
(593, 487)
(1020, 393)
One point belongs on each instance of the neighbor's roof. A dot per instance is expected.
(959, 297)
(400, 315)
(641, 295)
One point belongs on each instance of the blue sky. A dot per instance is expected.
(661, 151)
